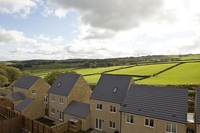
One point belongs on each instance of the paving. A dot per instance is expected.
(96, 131)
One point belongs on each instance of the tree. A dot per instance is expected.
(12, 74)
(51, 77)
(3, 81)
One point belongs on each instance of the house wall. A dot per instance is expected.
(57, 105)
(34, 110)
(197, 128)
(139, 127)
(81, 92)
(105, 115)
(85, 123)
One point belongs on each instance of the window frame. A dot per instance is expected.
(171, 127)
(35, 91)
(149, 120)
(99, 106)
(45, 99)
(112, 109)
(53, 112)
(129, 117)
(61, 101)
(112, 125)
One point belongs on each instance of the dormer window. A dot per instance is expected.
(59, 84)
(115, 90)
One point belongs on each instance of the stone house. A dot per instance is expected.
(28, 96)
(152, 109)
(72, 90)
(106, 101)
(197, 111)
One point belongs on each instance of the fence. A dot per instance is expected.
(22, 122)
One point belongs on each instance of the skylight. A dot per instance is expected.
(59, 84)
(115, 89)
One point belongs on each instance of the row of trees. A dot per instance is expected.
(9, 74)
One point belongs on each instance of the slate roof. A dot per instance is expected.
(21, 106)
(78, 109)
(197, 106)
(64, 84)
(170, 104)
(16, 96)
(111, 88)
(25, 82)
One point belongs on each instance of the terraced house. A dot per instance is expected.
(28, 95)
(151, 109)
(68, 95)
(106, 101)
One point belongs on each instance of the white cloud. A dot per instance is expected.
(18, 7)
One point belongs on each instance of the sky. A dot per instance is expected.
(97, 29)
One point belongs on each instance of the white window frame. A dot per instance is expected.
(112, 109)
(53, 99)
(149, 121)
(35, 91)
(61, 101)
(128, 119)
(53, 112)
(45, 99)
(112, 125)
(171, 127)
(99, 106)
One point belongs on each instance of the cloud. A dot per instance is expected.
(18, 7)
(114, 15)
(12, 37)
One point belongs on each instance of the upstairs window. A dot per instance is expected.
(112, 109)
(129, 119)
(149, 122)
(53, 98)
(45, 99)
(61, 100)
(53, 110)
(99, 106)
(33, 92)
(171, 128)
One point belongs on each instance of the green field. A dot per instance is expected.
(142, 70)
(100, 70)
(188, 73)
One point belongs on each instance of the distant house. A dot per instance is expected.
(72, 90)
(106, 101)
(29, 93)
(151, 109)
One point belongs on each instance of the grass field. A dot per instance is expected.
(87, 71)
(143, 70)
(188, 73)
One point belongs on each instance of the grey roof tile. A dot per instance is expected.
(111, 88)
(198, 105)
(64, 84)
(164, 103)
(78, 109)
(16, 96)
(25, 82)
(21, 106)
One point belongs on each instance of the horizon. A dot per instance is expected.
(62, 30)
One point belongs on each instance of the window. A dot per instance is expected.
(115, 90)
(99, 106)
(53, 98)
(45, 99)
(170, 128)
(129, 119)
(149, 122)
(112, 124)
(33, 91)
(59, 84)
(61, 101)
(112, 109)
(53, 111)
